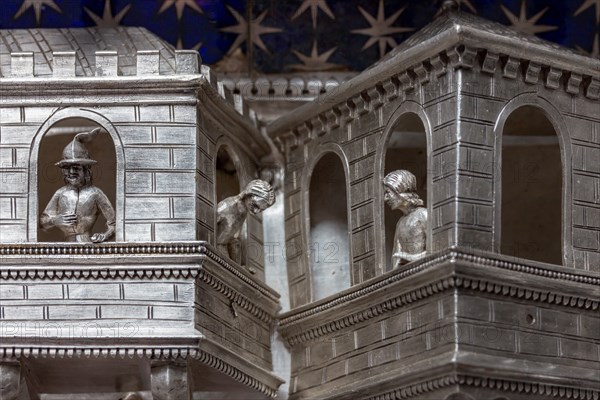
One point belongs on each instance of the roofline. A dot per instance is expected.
(454, 35)
(530, 51)
(363, 81)
(132, 81)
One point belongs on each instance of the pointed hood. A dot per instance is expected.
(76, 152)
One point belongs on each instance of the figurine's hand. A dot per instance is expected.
(402, 255)
(98, 237)
(65, 219)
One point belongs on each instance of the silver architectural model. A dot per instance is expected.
(158, 312)
(75, 207)
(411, 230)
(170, 310)
(233, 211)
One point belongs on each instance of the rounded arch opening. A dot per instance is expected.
(329, 247)
(51, 179)
(228, 182)
(406, 148)
(532, 218)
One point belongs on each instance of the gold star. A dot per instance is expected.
(380, 28)
(314, 9)
(107, 20)
(522, 24)
(37, 8)
(587, 4)
(595, 47)
(242, 30)
(179, 6)
(316, 61)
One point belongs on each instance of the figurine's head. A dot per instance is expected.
(400, 190)
(77, 175)
(76, 161)
(258, 196)
(76, 153)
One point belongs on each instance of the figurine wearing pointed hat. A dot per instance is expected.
(75, 207)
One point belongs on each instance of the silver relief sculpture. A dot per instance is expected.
(232, 212)
(75, 207)
(410, 236)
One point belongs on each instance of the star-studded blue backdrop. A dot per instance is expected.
(303, 35)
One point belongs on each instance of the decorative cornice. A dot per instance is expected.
(186, 270)
(13, 353)
(503, 385)
(499, 261)
(263, 290)
(455, 57)
(98, 272)
(368, 313)
(346, 297)
(22, 251)
(436, 286)
(236, 297)
(112, 249)
(407, 392)
(235, 373)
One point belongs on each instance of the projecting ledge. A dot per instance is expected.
(124, 359)
(137, 301)
(458, 268)
(531, 323)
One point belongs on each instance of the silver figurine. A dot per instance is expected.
(75, 207)
(410, 236)
(232, 212)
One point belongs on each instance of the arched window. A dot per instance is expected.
(228, 183)
(101, 149)
(406, 149)
(329, 249)
(532, 187)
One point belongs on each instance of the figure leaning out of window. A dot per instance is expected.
(232, 212)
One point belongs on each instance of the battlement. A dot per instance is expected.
(111, 64)
(108, 63)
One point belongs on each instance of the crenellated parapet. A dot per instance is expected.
(64, 64)
(109, 65)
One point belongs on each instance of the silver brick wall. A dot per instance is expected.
(461, 103)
